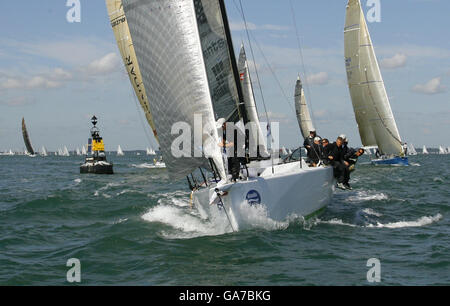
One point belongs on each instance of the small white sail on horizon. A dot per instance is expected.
(442, 150)
(83, 150)
(411, 149)
(44, 151)
(78, 152)
(424, 150)
(119, 151)
(66, 152)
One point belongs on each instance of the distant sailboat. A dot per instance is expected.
(371, 105)
(83, 150)
(26, 139)
(65, 152)
(78, 151)
(442, 150)
(44, 151)
(150, 151)
(119, 151)
(302, 111)
(411, 149)
(424, 150)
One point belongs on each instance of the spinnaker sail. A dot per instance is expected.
(371, 105)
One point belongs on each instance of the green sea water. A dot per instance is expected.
(136, 227)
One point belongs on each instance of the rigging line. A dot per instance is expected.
(139, 115)
(241, 10)
(302, 62)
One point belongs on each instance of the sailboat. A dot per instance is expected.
(150, 151)
(29, 148)
(65, 152)
(78, 151)
(442, 150)
(424, 150)
(83, 150)
(302, 110)
(371, 105)
(119, 151)
(189, 70)
(411, 149)
(44, 151)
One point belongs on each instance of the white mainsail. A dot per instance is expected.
(44, 151)
(169, 50)
(411, 149)
(78, 151)
(122, 34)
(302, 111)
(442, 150)
(371, 105)
(256, 134)
(424, 150)
(66, 151)
(83, 150)
(119, 151)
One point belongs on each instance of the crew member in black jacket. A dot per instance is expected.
(337, 161)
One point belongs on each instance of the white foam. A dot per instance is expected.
(401, 224)
(336, 222)
(423, 221)
(256, 216)
(362, 196)
(77, 181)
(187, 224)
(371, 212)
(149, 166)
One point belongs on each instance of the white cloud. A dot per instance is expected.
(430, 88)
(42, 82)
(17, 101)
(320, 78)
(11, 83)
(397, 61)
(105, 64)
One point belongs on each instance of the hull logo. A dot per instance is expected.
(253, 198)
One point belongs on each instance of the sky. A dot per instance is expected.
(58, 74)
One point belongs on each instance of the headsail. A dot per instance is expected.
(424, 150)
(370, 101)
(220, 62)
(302, 111)
(121, 31)
(250, 106)
(167, 44)
(26, 138)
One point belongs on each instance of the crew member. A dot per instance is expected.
(340, 166)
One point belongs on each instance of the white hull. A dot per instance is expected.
(289, 193)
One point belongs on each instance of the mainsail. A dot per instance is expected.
(121, 31)
(168, 46)
(302, 111)
(26, 138)
(424, 150)
(256, 133)
(371, 105)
